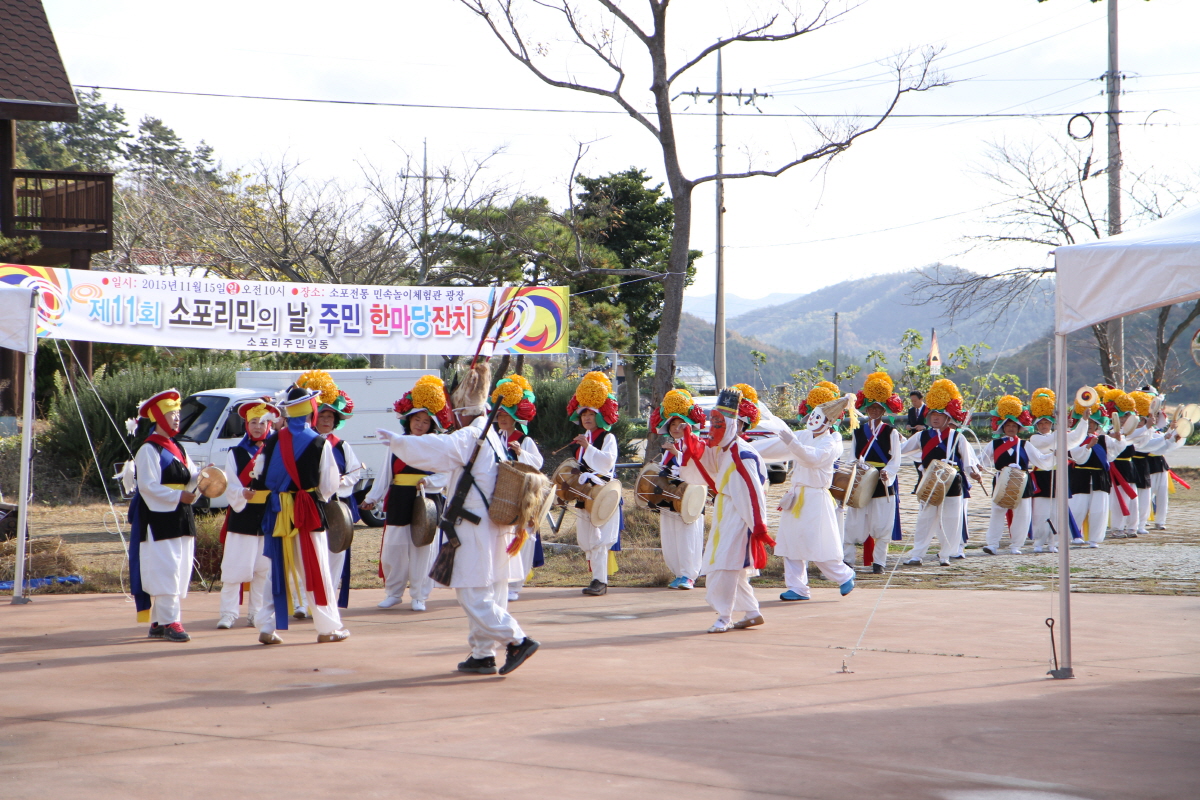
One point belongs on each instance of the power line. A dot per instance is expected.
(442, 107)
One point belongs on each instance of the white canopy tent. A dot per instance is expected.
(1156, 265)
(18, 331)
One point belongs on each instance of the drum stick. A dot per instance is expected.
(564, 447)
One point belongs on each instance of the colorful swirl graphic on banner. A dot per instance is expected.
(52, 302)
(539, 321)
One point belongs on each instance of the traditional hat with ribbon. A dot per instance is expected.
(1009, 408)
(428, 395)
(157, 407)
(258, 408)
(677, 404)
(516, 398)
(298, 401)
(944, 397)
(594, 393)
(1116, 401)
(1041, 404)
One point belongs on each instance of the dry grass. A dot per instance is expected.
(45, 558)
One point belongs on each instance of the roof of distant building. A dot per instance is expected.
(33, 81)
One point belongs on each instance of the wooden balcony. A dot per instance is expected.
(65, 210)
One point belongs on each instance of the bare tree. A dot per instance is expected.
(602, 31)
(1050, 199)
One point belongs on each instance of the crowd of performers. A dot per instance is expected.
(290, 469)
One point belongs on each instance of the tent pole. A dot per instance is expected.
(1061, 518)
(18, 596)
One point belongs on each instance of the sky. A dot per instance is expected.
(901, 197)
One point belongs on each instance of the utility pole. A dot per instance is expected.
(835, 345)
(424, 244)
(1112, 83)
(719, 321)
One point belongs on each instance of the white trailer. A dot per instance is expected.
(209, 424)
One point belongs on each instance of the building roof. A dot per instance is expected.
(33, 81)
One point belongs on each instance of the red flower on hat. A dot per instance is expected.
(349, 407)
(655, 419)
(859, 399)
(955, 409)
(895, 404)
(445, 417)
(696, 415)
(802, 409)
(526, 411)
(1025, 419)
(749, 411)
(995, 424)
(404, 404)
(609, 411)
(572, 405)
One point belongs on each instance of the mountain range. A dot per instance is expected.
(704, 306)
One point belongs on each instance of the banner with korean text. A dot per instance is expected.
(216, 314)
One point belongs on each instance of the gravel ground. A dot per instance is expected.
(1164, 562)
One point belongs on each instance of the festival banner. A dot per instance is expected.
(215, 314)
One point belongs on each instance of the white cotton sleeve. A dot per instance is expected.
(330, 477)
(383, 480)
(233, 486)
(911, 445)
(149, 481)
(530, 454)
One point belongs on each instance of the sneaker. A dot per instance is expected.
(721, 627)
(847, 587)
(1016, 551)
(1159, 527)
(156, 631)
(1037, 548)
(877, 569)
(596, 588)
(749, 622)
(945, 562)
(913, 562)
(956, 557)
(419, 605)
(688, 583)
(1116, 534)
(512, 595)
(517, 654)
(790, 596)
(1053, 549)
(1135, 534)
(299, 613)
(269, 638)
(227, 621)
(1093, 545)
(991, 551)
(250, 621)
(388, 602)
(337, 636)
(674, 584)
(175, 633)
(479, 666)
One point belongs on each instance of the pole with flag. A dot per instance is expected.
(934, 362)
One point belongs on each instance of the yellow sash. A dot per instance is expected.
(407, 479)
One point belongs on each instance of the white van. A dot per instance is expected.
(209, 424)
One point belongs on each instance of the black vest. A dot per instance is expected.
(308, 469)
(176, 523)
(249, 520)
(883, 443)
(1090, 476)
(938, 452)
(1015, 455)
(400, 499)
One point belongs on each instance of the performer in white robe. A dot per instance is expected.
(1090, 474)
(399, 486)
(480, 570)
(1150, 445)
(938, 442)
(517, 408)
(808, 527)
(737, 542)
(297, 466)
(682, 542)
(876, 445)
(160, 514)
(595, 408)
(1044, 479)
(1007, 449)
(242, 548)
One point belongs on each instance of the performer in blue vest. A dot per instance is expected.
(1007, 449)
(163, 528)
(242, 535)
(876, 445)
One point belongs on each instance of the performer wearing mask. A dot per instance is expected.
(675, 418)
(480, 570)
(876, 444)
(160, 516)
(242, 558)
(808, 524)
(517, 409)
(298, 468)
(1091, 472)
(737, 543)
(402, 564)
(939, 442)
(1009, 420)
(595, 408)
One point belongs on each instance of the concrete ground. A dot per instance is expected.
(628, 698)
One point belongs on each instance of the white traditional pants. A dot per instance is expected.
(1160, 487)
(682, 544)
(944, 521)
(166, 572)
(489, 625)
(1043, 516)
(598, 563)
(326, 618)
(1143, 509)
(1091, 509)
(728, 592)
(241, 559)
(1118, 520)
(874, 522)
(596, 541)
(795, 574)
(998, 524)
(337, 562)
(405, 564)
